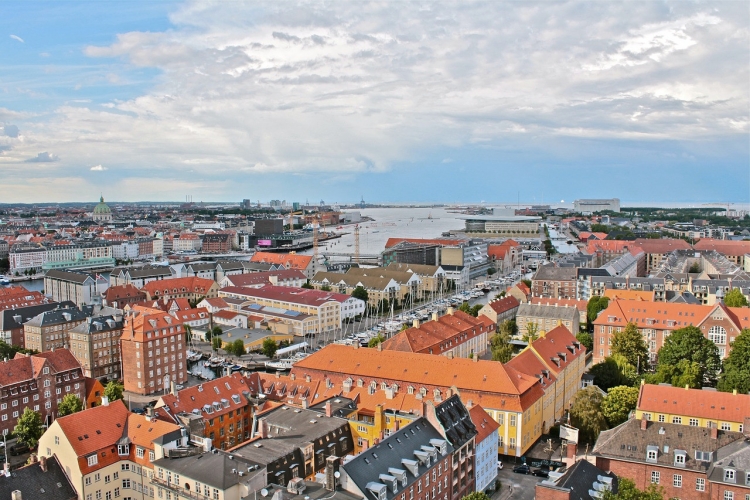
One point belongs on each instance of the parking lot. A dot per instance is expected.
(522, 485)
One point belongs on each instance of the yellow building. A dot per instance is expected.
(253, 338)
(693, 407)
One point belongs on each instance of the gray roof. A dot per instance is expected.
(456, 421)
(387, 459)
(552, 273)
(213, 468)
(69, 276)
(734, 456)
(340, 406)
(33, 483)
(545, 311)
(628, 442)
(202, 266)
(313, 491)
(12, 319)
(148, 271)
(58, 316)
(579, 480)
(289, 428)
(98, 324)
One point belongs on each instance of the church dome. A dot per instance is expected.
(102, 207)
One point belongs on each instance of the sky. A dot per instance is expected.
(453, 102)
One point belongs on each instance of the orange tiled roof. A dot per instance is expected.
(192, 314)
(608, 246)
(215, 395)
(122, 292)
(553, 345)
(434, 335)
(138, 326)
(664, 245)
(643, 295)
(727, 247)
(717, 406)
(96, 428)
(192, 284)
(288, 260)
(528, 362)
(666, 315)
(499, 251)
(578, 304)
(485, 424)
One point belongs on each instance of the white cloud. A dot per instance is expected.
(18, 38)
(98, 168)
(344, 88)
(43, 158)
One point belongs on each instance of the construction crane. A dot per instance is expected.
(315, 225)
(356, 243)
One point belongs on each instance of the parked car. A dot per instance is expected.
(522, 469)
(499, 465)
(541, 472)
(19, 449)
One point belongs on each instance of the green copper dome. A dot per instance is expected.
(102, 207)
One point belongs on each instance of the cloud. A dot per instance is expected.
(43, 158)
(10, 130)
(98, 168)
(18, 38)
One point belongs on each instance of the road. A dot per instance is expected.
(522, 486)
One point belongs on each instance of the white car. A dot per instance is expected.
(499, 465)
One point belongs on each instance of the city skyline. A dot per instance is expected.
(418, 103)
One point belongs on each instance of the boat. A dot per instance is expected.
(193, 356)
(286, 363)
(4, 280)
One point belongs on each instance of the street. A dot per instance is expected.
(522, 486)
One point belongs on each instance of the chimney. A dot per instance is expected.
(449, 354)
(434, 316)
(380, 346)
(715, 432)
(105, 401)
(332, 468)
(687, 388)
(571, 451)
(644, 424)
(450, 311)
(43, 463)
(308, 378)
(278, 374)
(746, 427)
(305, 404)
(172, 389)
(292, 376)
(150, 411)
(16, 495)
(263, 429)
(415, 323)
(329, 409)
(475, 358)
(356, 345)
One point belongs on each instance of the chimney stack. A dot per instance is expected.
(434, 316)
(43, 463)
(329, 409)
(746, 427)
(714, 432)
(415, 323)
(450, 311)
(263, 429)
(16, 495)
(332, 467)
(644, 424)
(571, 450)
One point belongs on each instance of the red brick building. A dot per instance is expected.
(153, 352)
(120, 295)
(554, 282)
(226, 411)
(38, 382)
(217, 243)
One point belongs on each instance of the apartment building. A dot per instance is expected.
(656, 321)
(554, 282)
(432, 279)
(679, 459)
(378, 287)
(95, 343)
(139, 276)
(513, 399)
(153, 352)
(38, 382)
(657, 286)
(108, 452)
(49, 329)
(485, 458)
(505, 257)
(121, 295)
(13, 319)
(12, 297)
(736, 251)
(45, 475)
(547, 317)
(454, 334)
(658, 250)
(79, 288)
(705, 408)
(217, 243)
(222, 405)
(304, 263)
(192, 288)
(280, 277)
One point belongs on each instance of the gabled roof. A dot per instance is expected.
(664, 245)
(545, 311)
(643, 295)
(192, 284)
(486, 425)
(544, 301)
(264, 278)
(288, 260)
(290, 294)
(95, 428)
(714, 405)
(35, 483)
(529, 363)
(433, 334)
(211, 399)
(118, 292)
(668, 315)
(558, 348)
(726, 247)
(12, 319)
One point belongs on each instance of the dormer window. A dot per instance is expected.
(679, 458)
(652, 452)
(730, 476)
(123, 449)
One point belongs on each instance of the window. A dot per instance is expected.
(726, 426)
(91, 459)
(728, 495)
(513, 420)
(676, 420)
(655, 477)
(717, 335)
(139, 452)
(651, 455)
(729, 475)
(679, 459)
(677, 480)
(57, 440)
(87, 481)
(661, 418)
(126, 484)
(693, 422)
(700, 484)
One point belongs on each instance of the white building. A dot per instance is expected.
(486, 448)
(589, 206)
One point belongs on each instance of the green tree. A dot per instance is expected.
(532, 332)
(376, 341)
(360, 293)
(629, 343)
(607, 374)
(684, 373)
(216, 343)
(508, 326)
(618, 403)
(586, 341)
(736, 371)
(734, 298)
(500, 346)
(476, 495)
(594, 307)
(695, 268)
(269, 347)
(586, 414)
(465, 307)
(28, 429)
(688, 343)
(474, 311)
(527, 283)
(326, 288)
(216, 331)
(384, 306)
(70, 404)
(308, 285)
(626, 490)
(236, 348)
(113, 390)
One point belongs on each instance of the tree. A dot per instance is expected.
(586, 341)
(326, 288)
(236, 348)
(532, 332)
(527, 283)
(476, 495)
(500, 346)
(376, 341)
(70, 404)
(269, 347)
(474, 311)
(684, 373)
(629, 342)
(465, 307)
(216, 343)
(695, 268)
(308, 285)
(508, 326)
(594, 307)
(607, 374)
(28, 429)
(586, 414)
(688, 343)
(736, 371)
(618, 404)
(734, 298)
(626, 490)
(113, 390)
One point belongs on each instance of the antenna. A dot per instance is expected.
(356, 243)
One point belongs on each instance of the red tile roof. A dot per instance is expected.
(499, 251)
(578, 304)
(192, 284)
(290, 294)
(727, 247)
(553, 345)
(439, 336)
(26, 367)
(714, 405)
(504, 304)
(666, 315)
(95, 428)
(117, 292)
(288, 260)
(665, 245)
(264, 278)
(216, 394)
(485, 424)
